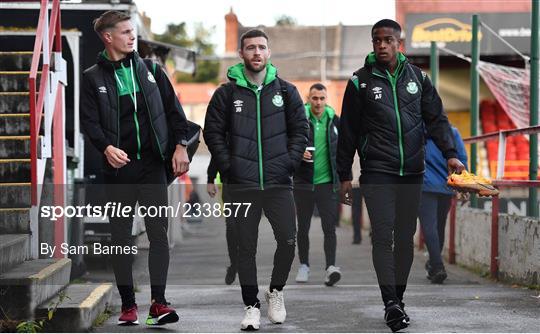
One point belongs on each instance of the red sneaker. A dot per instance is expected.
(129, 316)
(161, 314)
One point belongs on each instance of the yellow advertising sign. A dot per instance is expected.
(447, 30)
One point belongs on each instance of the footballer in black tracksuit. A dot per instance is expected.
(384, 117)
(131, 104)
(317, 183)
(257, 137)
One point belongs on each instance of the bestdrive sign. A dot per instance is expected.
(444, 29)
(454, 31)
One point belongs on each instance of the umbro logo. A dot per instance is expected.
(102, 89)
(238, 105)
(377, 93)
(363, 85)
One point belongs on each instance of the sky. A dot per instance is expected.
(251, 13)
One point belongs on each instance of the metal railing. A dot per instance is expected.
(47, 105)
(498, 182)
(501, 136)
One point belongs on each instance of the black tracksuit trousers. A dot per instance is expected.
(325, 198)
(143, 181)
(278, 206)
(392, 203)
(231, 235)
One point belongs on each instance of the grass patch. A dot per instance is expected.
(78, 281)
(482, 272)
(102, 317)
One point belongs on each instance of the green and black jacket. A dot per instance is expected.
(303, 178)
(383, 118)
(256, 136)
(109, 118)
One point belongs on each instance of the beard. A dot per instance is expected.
(253, 69)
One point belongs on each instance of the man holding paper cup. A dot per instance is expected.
(317, 183)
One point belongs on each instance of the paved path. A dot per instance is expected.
(465, 303)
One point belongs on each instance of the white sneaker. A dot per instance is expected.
(276, 306)
(333, 274)
(303, 274)
(252, 319)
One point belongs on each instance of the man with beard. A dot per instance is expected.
(386, 107)
(256, 130)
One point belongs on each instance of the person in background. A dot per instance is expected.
(316, 183)
(435, 204)
(230, 227)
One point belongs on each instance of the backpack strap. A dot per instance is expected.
(360, 80)
(150, 65)
(229, 91)
(284, 92)
(420, 75)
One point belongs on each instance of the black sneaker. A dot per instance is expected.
(230, 276)
(395, 317)
(428, 268)
(438, 276)
(407, 319)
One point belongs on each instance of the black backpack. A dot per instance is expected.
(192, 137)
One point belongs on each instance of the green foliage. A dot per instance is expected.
(78, 281)
(102, 317)
(207, 71)
(176, 34)
(31, 326)
(37, 325)
(285, 20)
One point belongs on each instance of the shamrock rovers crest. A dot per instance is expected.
(277, 100)
(412, 88)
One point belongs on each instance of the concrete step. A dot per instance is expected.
(77, 312)
(14, 102)
(14, 220)
(30, 284)
(15, 124)
(15, 195)
(16, 81)
(14, 147)
(13, 250)
(15, 60)
(15, 170)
